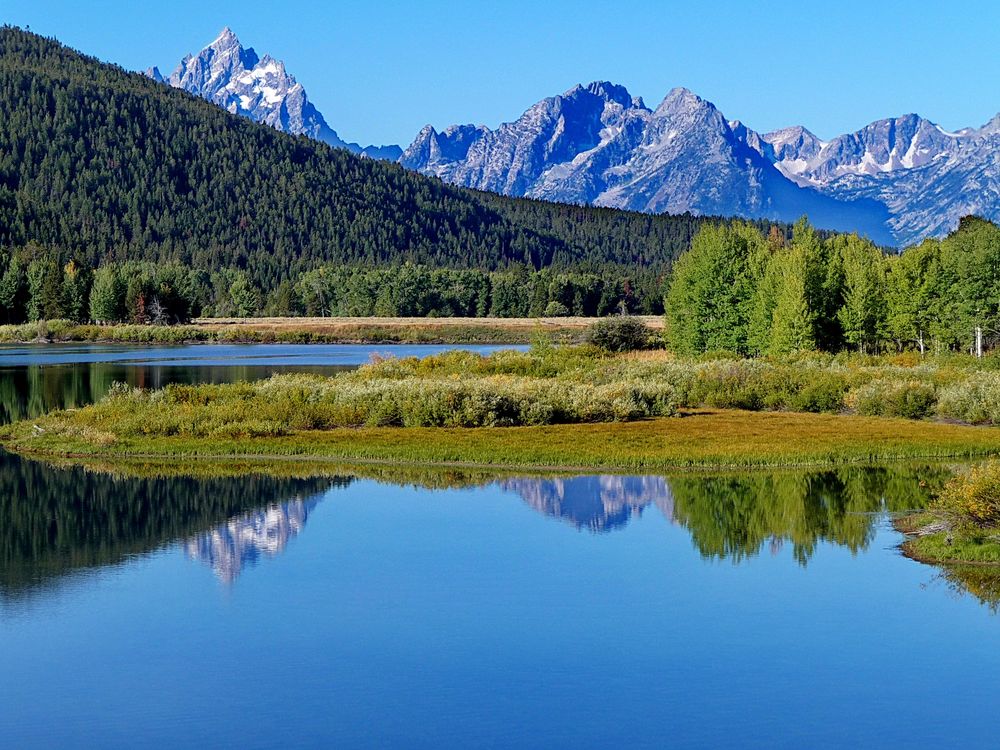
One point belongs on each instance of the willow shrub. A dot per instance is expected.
(973, 497)
(974, 399)
(285, 403)
(549, 385)
(891, 397)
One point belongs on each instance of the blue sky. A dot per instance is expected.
(380, 71)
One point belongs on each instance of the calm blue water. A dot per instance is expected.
(527, 612)
(430, 610)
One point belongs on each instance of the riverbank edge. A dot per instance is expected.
(713, 439)
(495, 331)
(931, 538)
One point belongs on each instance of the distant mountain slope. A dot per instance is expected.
(101, 163)
(240, 82)
(927, 177)
(600, 145)
(897, 180)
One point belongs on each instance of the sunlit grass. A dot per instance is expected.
(710, 437)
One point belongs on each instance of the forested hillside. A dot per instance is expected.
(98, 164)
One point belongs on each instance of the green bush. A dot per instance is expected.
(556, 310)
(622, 333)
(823, 392)
(975, 399)
(888, 397)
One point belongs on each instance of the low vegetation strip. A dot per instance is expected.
(706, 438)
(575, 406)
(315, 331)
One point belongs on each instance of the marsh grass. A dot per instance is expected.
(706, 438)
(291, 331)
(573, 406)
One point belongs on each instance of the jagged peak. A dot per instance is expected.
(225, 40)
(993, 126)
(611, 92)
(792, 131)
(606, 90)
(680, 99)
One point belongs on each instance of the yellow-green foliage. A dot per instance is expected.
(974, 496)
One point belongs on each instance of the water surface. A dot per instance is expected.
(146, 608)
(444, 610)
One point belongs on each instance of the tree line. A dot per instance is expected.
(40, 284)
(744, 291)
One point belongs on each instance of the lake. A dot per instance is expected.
(405, 608)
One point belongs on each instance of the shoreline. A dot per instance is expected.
(375, 331)
(705, 439)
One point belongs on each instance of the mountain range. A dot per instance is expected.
(896, 180)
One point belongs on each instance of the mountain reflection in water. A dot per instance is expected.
(735, 516)
(243, 540)
(56, 522)
(597, 503)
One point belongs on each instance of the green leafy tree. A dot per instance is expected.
(107, 295)
(711, 295)
(244, 297)
(863, 313)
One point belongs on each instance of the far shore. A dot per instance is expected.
(371, 330)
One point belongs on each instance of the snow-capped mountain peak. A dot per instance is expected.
(238, 80)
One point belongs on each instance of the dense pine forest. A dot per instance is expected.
(100, 165)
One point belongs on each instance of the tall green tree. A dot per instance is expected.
(107, 295)
(863, 312)
(709, 303)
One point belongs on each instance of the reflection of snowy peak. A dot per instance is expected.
(244, 539)
(599, 503)
(238, 80)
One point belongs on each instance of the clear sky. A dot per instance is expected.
(379, 71)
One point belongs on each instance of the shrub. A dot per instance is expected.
(620, 334)
(556, 310)
(976, 399)
(822, 392)
(888, 397)
(974, 496)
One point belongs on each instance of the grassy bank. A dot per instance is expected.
(553, 407)
(314, 331)
(962, 525)
(707, 438)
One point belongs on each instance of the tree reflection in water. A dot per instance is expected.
(56, 521)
